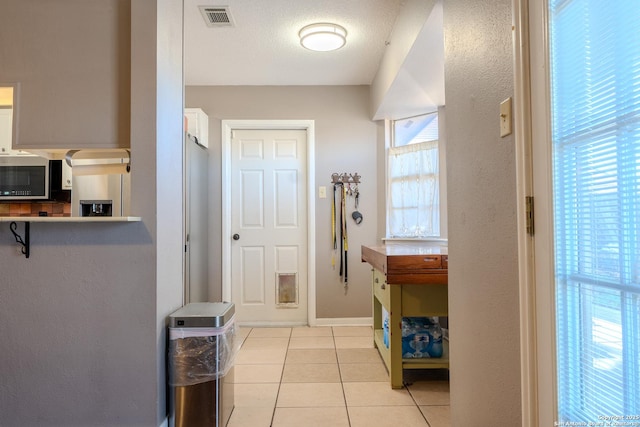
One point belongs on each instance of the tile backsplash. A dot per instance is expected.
(51, 208)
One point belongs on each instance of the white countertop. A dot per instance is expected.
(74, 219)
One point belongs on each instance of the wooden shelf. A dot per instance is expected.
(421, 363)
(430, 363)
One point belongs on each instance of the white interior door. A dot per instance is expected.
(269, 226)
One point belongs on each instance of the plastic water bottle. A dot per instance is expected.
(435, 348)
(385, 332)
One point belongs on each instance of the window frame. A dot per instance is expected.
(595, 243)
(442, 177)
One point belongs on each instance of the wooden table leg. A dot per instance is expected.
(395, 336)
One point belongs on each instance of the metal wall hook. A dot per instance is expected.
(345, 178)
(26, 244)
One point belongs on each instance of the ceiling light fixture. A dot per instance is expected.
(323, 37)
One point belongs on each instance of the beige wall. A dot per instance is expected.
(346, 141)
(483, 275)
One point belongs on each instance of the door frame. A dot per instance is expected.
(524, 189)
(309, 127)
(532, 128)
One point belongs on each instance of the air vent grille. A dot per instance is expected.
(216, 16)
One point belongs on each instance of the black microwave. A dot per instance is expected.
(24, 177)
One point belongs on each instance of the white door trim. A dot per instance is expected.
(524, 188)
(535, 255)
(309, 126)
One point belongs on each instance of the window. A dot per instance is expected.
(595, 92)
(413, 201)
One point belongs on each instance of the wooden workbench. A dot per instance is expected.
(408, 280)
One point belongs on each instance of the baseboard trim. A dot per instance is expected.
(345, 321)
(271, 324)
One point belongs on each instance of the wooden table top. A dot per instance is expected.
(411, 264)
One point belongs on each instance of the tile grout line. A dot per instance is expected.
(416, 403)
(242, 340)
(344, 395)
(284, 362)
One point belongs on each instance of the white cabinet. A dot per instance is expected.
(198, 125)
(5, 131)
(66, 176)
(6, 122)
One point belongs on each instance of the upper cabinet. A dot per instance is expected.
(71, 65)
(5, 130)
(198, 125)
(7, 99)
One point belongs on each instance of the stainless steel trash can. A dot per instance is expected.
(202, 340)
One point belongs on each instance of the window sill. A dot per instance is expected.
(416, 240)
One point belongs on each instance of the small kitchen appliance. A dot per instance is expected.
(96, 207)
(24, 178)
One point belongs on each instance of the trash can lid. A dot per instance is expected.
(202, 315)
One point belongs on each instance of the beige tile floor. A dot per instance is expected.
(328, 377)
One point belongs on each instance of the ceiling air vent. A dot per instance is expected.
(216, 16)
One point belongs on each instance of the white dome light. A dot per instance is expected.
(323, 37)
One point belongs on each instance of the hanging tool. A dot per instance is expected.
(341, 228)
(344, 234)
(357, 216)
(333, 228)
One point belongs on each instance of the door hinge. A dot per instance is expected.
(530, 219)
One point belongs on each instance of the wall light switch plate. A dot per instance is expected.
(322, 192)
(505, 117)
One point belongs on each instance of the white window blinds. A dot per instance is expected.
(595, 94)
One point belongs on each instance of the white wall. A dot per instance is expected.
(168, 125)
(409, 23)
(346, 141)
(483, 275)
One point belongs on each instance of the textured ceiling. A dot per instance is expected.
(263, 47)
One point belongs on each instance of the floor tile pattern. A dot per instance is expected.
(327, 377)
